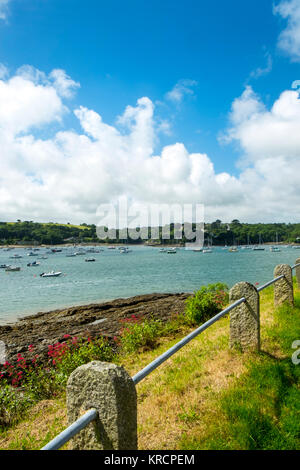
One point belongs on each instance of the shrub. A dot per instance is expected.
(13, 404)
(25, 382)
(66, 357)
(205, 303)
(136, 335)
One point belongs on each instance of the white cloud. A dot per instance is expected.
(3, 9)
(182, 88)
(3, 71)
(263, 133)
(64, 85)
(289, 39)
(25, 104)
(262, 71)
(67, 176)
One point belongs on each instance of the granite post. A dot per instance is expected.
(283, 289)
(110, 390)
(245, 319)
(298, 272)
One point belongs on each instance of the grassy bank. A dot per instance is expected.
(204, 397)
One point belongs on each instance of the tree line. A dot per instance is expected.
(216, 233)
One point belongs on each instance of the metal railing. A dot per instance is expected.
(92, 414)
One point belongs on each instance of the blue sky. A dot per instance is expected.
(192, 59)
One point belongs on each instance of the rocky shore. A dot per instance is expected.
(44, 329)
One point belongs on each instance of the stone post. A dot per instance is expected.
(283, 289)
(108, 388)
(244, 319)
(298, 272)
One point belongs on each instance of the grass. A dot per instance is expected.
(206, 396)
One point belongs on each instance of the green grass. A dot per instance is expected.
(261, 410)
(206, 396)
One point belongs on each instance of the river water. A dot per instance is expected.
(113, 275)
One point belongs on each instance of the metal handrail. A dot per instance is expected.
(92, 414)
(72, 430)
(163, 357)
(270, 283)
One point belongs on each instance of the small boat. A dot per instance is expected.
(34, 263)
(233, 249)
(89, 260)
(4, 266)
(259, 247)
(79, 253)
(172, 251)
(16, 256)
(198, 250)
(124, 249)
(31, 254)
(274, 249)
(111, 247)
(71, 255)
(162, 250)
(51, 274)
(207, 250)
(13, 268)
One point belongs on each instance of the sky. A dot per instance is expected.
(161, 102)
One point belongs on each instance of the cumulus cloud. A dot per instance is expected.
(67, 176)
(183, 87)
(64, 85)
(25, 104)
(289, 39)
(262, 133)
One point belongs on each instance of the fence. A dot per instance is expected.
(109, 393)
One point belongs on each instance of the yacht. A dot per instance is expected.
(51, 274)
(34, 263)
(13, 268)
(259, 247)
(274, 249)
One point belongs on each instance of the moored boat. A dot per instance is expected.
(51, 274)
(13, 268)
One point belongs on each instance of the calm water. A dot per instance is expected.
(113, 275)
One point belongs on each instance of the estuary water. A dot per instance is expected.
(114, 275)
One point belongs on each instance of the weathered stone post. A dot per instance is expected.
(244, 319)
(283, 289)
(298, 272)
(108, 388)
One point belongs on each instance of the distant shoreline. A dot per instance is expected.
(161, 245)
